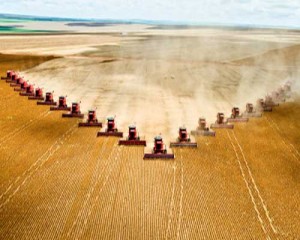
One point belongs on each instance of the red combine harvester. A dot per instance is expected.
(18, 82)
(202, 129)
(92, 120)
(111, 129)
(75, 112)
(49, 100)
(278, 96)
(62, 105)
(220, 123)
(270, 102)
(261, 106)
(159, 150)
(133, 138)
(23, 87)
(13, 77)
(38, 95)
(8, 75)
(29, 91)
(236, 117)
(250, 112)
(183, 139)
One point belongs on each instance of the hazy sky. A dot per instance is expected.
(259, 12)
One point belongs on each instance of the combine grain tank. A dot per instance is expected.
(202, 129)
(49, 100)
(220, 123)
(236, 117)
(62, 105)
(159, 150)
(92, 120)
(250, 111)
(111, 129)
(38, 95)
(183, 139)
(133, 139)
(75, 112)
(28, 92)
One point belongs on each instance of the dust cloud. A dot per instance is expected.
(163, 82)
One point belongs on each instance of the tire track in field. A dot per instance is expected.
(291, 148)
(36, 165)
(85, 212)
(256, 188)
(23, 127)
(116, 155)
(264, 223)
(181, 196)
(91, 189)
(44, 186)
(172, 203)
(176, 203)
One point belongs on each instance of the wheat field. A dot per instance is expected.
(59, 181)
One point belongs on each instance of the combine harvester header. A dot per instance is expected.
(92, 120)
(202, 129)
(133, 139)
(159, 150)
(183, 140)
(111, 129)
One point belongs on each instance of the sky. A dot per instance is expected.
(253, 12)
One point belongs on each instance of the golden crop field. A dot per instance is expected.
(58, 181)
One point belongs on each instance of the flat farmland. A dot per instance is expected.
(59, 181)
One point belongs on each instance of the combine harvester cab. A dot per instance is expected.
(62, 105)
(23, 87)
(8, 75)
(159, 150)
(111, 130)
(49, 100)
(261, 105)
(133, 139)
(75, 112)
(28, 92)
(220, 123)
(92, 120)
(202, 129)
(183, 140)
(250, 112)
(236, 117)
(38, 95)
